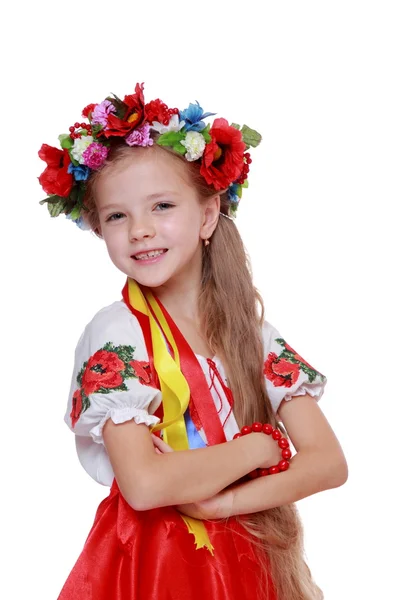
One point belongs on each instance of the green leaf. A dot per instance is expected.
(250, 136)
(73, 195)
(126, 353)
(81, 193)
(233, 209)
(74, 162)
(85, 402)
(96, 130)
(245, 184)
(119, 105)
(57, 208)
(179, 148)
(235, 125)
(206, 135)
(66, 141)
(48, 199)
(171, 138)
(129, 373)
(119, 388)
(75, 213)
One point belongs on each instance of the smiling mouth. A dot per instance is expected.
(148, 255)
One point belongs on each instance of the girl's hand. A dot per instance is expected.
(273, 454)
(217, 507)
(160, 446)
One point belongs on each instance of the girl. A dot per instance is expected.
(183, 399)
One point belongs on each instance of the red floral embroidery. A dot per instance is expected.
(103, 370)
(143, 372)
(284, 370)
(280, 371)
(297, 356)
(76, 407)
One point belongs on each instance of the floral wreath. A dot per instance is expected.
(222, 149)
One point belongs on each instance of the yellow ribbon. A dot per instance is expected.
(174, 388)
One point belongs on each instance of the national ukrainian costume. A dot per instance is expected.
(132, 362)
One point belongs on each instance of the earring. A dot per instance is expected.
(206, 242)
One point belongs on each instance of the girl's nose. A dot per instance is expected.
(141, 229)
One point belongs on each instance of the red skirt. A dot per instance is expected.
(132, 555)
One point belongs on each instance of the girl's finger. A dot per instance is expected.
(160, 444)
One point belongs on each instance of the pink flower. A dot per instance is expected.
(101, 111)
(140, 136)
(95, 155)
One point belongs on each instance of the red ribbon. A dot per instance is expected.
(191, 369)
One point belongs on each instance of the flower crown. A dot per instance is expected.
(220, 148)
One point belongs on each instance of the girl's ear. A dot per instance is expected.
(211, 216)
(97, 231)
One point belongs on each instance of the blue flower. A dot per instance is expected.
(193, 117)
(80, 172)
(79, 222)
(233, 193)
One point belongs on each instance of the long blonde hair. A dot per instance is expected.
(232, 312)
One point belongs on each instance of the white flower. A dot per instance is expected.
(79, 147)
(173, 125)
(194, 143)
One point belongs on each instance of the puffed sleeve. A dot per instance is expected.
(111, 380)
(287, 374)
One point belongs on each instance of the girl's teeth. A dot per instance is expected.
(149, 255)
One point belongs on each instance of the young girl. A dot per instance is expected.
(183, 398)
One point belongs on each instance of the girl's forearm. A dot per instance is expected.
(310, 472)
(192, 475)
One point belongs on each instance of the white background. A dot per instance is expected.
(320, 80)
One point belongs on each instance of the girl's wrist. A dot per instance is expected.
(273, 448)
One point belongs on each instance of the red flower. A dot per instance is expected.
(222, 160)
(103, 370)
(298, 357)
(55, 179)
(76, 407)
(280, 371)
(87, 111)
(133, 117)
(143, 372)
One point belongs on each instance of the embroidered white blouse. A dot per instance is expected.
(111, 380)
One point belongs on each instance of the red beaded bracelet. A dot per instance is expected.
(282, 442)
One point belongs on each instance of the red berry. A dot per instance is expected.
(276, 434)
(283, 443)
(246, 429)
(264, 472)
(273, 470)
(283, 465)
(286, 453)
(257, 427)
(267, 428)
(72, 129)
(77, 125)
(253, 474)
(237, 435)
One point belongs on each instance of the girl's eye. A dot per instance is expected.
(164, 205)
(115, 217)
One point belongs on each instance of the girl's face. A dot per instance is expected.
(152, 221)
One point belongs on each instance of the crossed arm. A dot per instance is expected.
(199, 482)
